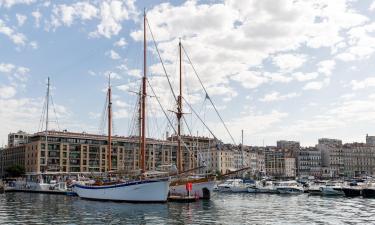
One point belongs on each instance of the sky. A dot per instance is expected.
(278, 70)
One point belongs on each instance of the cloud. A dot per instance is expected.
(289, 62)
(66, 14)
(275, 96)
(15, 37)
(372, 6)
(21, 19)
(9, 3)
(6, 67)
(326, 67)
(313, 85)
(37, 16)
(113, 55)
(305, 76)
(250, 79)
(368, 82)
(121, 43)
(7, 92)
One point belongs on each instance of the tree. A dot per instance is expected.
(15, 171)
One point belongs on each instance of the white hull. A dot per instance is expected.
(23, 185)
(198, 189)
(135, 191)
(332, 191)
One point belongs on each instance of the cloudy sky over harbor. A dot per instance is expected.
(295, 70)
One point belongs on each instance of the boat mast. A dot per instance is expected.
(46, 132)
(109, 124)
(179, 115)
(143, 98)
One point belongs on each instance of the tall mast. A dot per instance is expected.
(143, 97)
(179, 115)
(109, 124)
(46, 132)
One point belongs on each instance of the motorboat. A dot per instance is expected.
(314, 188)
(353, 190)
(332, 189)
(289, 187)
(266, 187)
(234, 185)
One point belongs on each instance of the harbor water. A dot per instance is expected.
(30, 208)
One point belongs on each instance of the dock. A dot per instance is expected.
(182, 199)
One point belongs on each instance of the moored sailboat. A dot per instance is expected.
(143, 189)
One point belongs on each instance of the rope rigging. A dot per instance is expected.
(207, 96)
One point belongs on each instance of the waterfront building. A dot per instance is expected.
(283, 144)
(12, 156)
(279, 163)
(309, 162)
(359, 159)
(18, 138)
(370, 140)
(332, 155)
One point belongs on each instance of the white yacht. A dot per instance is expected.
(289, 187)
(332, 189)
(234, 185)
(263, 187)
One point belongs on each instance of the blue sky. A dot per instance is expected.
(295, 70)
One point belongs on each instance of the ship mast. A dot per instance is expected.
(179, 115)
(109, 124)
(46, 131)
(143, 98)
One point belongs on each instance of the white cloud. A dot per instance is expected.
(7, 92)
(250, 79)
(313, 85)
(21, 19)
(275, 96)
(37, 16)
(6, 67)
(289, 62)
(121, 43)
(10, 3)
(66, 14)
(372, 6)
(15, 37)
(368, 82)
(33, 45)
(113, 55)
(326, 67)
(305, 76)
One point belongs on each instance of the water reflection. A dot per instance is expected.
(23, 208)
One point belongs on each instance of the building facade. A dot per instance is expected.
(332, 155)
(309, 162)
(359, 159)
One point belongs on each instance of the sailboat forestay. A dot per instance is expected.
(143, 189)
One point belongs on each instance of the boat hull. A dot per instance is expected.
(352, 192)
(288, 190)
(368, 193)
(202, 190)
(331, 191)
(135, 191)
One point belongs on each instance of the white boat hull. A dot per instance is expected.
(198, 189)
(135, 191)
(331, 191)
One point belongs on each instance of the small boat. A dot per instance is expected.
(314, 188)
(266, 187)
(289, 187)
(234, 185)
(332, 189)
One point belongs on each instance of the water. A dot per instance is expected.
(25, 208)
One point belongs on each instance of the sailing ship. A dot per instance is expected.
(202, 186)
(143, 189)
